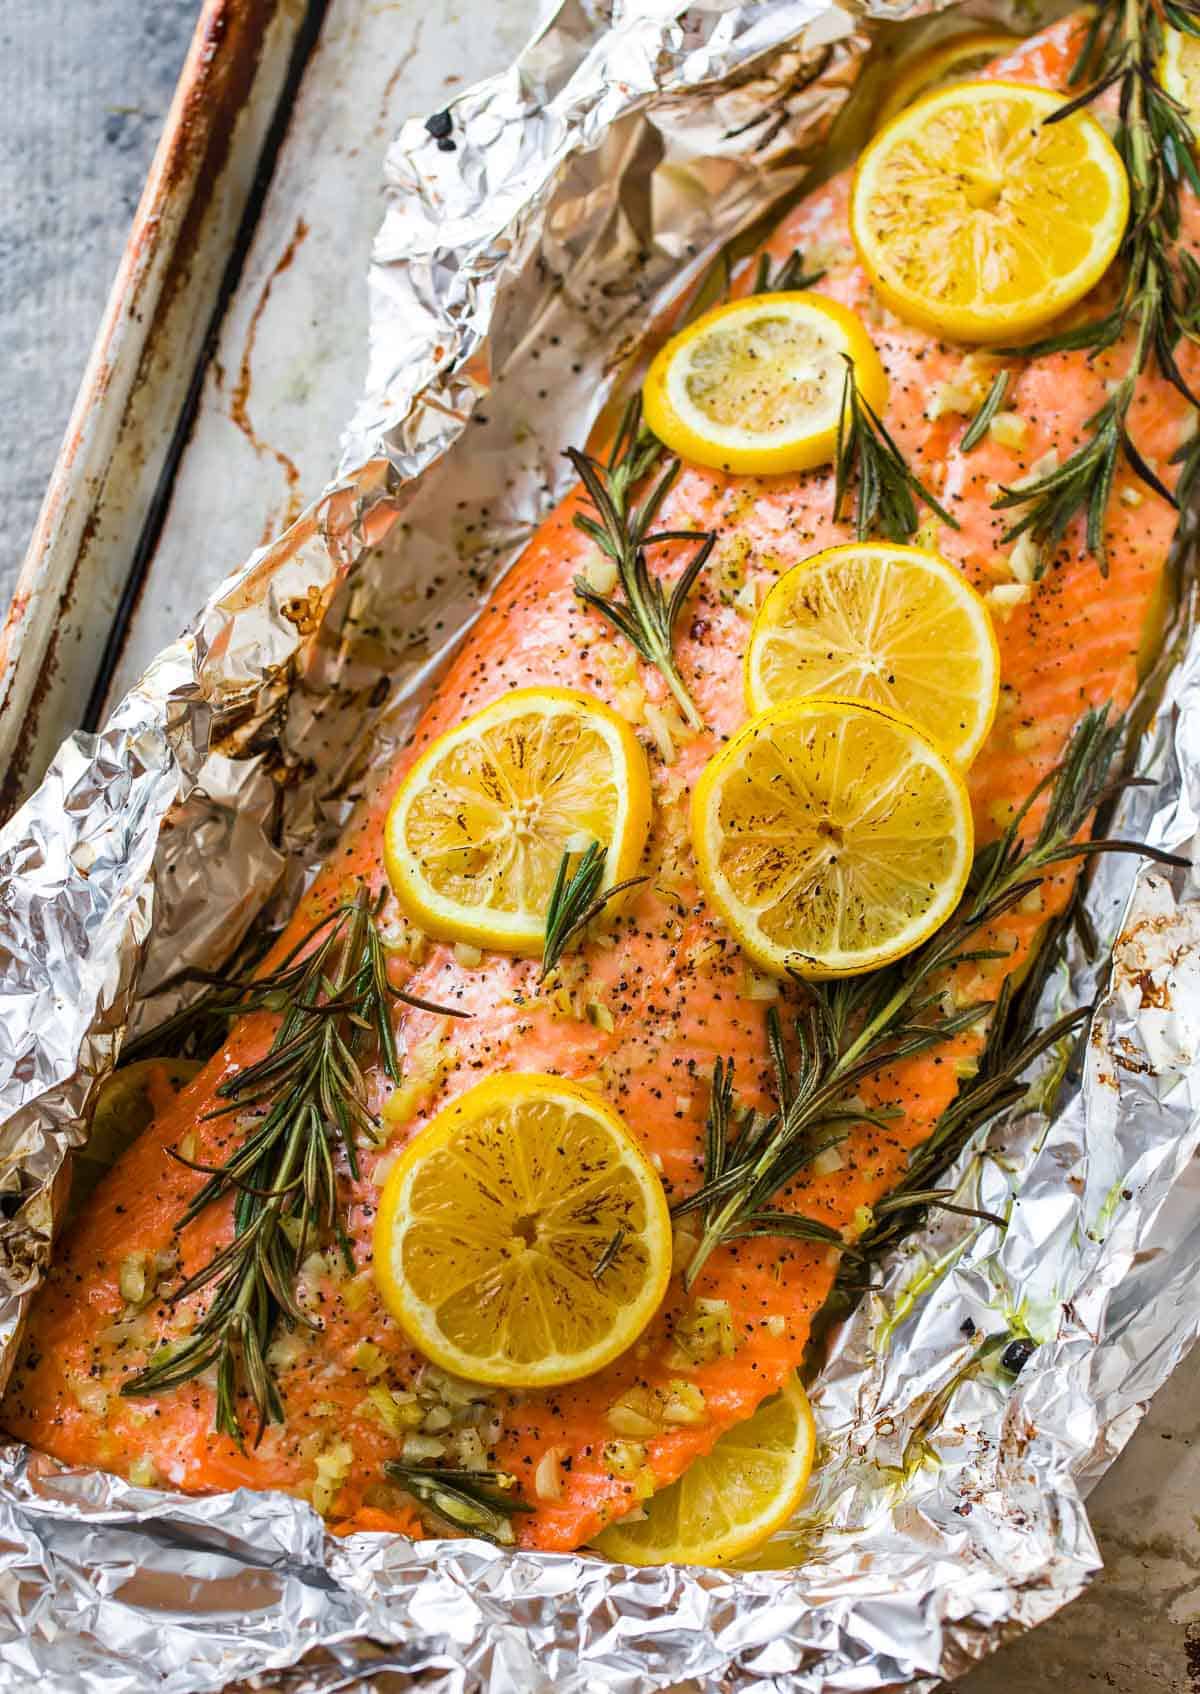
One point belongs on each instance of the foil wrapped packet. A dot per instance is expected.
(975, 1395)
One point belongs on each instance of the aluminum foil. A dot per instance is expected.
(974, 1398)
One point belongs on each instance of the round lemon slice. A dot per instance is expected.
(978, 220)
(895, 626)
(756, 385)
(1179, 73)
(493, 1222)
(831, 836)
(729, 1502)
(932, 67)
(477, 830)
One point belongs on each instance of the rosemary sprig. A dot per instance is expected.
(1081, 483)
(477, 1502)
(1160, 294)
(622, 527)
(575, 899)
(716, 284)
(790, 276)
(309, 1096)
(849, 1029)
(197, 1029)
(867, 458)
(608, 1257)
(1012, 1046)
(993, 401)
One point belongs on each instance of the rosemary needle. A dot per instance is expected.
(575, 899)
(790, 276)
(1160, 294)
(983, 417)
(868, 459)
(304, 1099)
(849, 1029)
(477, 1502)
(622, 527)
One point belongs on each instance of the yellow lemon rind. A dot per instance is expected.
(415, 1316)
(784, 962)
(799, 453)
(978, 323)
(624, 1544)
(766, 620)
(933, 67)
(522, 933)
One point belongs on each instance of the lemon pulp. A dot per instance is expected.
(1180, 74)
(895, 626)
(757, 385)
(494, 1219)
(831, 836)
(977, 219)
(477, 830)
(728, 1502)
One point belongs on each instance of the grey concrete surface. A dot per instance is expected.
(84, 87)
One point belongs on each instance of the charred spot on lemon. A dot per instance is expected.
(956, 60)
(756, 386)
(493, 1224)
(894, 626)
(730, 1501)
(831, 836)
(1179, 73)
(978, 219)
(477, 830)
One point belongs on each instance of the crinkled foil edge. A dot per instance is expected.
(946, 1512)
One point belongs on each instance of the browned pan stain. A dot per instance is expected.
(402, 64)
(239, 405)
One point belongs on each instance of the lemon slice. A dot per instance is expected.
(895, 626)
(945, 62)
(1179, 73)
(493, 1221)
(478, 827)
(756, 385)
(831, 836)
(730, 1501)
(977, 219)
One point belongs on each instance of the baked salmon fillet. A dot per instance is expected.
(675, 991)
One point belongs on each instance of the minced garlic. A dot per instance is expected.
(1007, 596)
(1009, 429)
(131, 1279)
(143, 1472)
(396, 1410)
(548, 1477)
(705, 1332)
(642, 1412)
(828, 1160)
(424, 1069)
(600, 572)
(1023, 560)
(332, 1468)
(624, 1458)
(684, 1243)
(370, 1360)
(418, 1449)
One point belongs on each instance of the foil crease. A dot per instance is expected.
(975, 1396)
